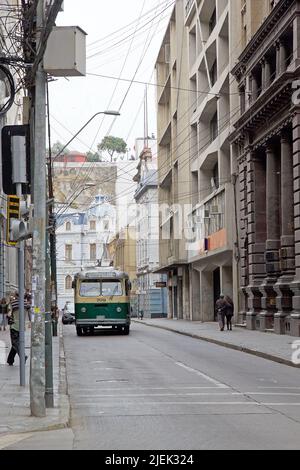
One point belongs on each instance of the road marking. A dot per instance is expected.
(95, 389)
(11, 439)
(282, 394)
(160, 395)
(77, 405)
(206, 377)
(164, 403)
(279, 388)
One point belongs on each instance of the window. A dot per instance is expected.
(68, 282)
(68, 226)
(68, 252)
(212, 21)
(106, 225)
(92, 224)
(100, 288)
(214, 127)
(93, 251)
(111, 288)
(213, 73)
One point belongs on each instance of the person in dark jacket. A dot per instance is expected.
(4, 312)
(229, 312)
(221, 307)
(14, 322)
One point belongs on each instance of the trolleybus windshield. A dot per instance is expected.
(104, 288)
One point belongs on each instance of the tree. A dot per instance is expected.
(113, 145)
(57, 147)
(93, 157)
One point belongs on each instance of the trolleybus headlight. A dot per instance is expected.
(83, 310)
(119, 309)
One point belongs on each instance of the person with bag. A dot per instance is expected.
(14, 322)
(229, 312)
(221, 307)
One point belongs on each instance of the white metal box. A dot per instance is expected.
(65, 54)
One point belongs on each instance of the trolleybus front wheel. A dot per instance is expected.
(126, 330)
(79, 330)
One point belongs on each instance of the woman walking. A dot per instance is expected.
(229, 312)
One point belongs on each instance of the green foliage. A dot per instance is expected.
(113, 145)
(57, 147)
(93, 157)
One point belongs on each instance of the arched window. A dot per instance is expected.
(68, 282)
(68, 226)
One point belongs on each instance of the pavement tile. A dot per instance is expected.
(15, 400)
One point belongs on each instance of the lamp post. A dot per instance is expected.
(108, 113)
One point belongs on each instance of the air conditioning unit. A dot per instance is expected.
(216, 210)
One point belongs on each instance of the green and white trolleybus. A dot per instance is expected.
(102, 299)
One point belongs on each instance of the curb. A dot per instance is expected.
(244, 349)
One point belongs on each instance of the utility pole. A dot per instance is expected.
(39, 77)
(37, 364)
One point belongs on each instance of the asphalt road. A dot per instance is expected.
(158, 390)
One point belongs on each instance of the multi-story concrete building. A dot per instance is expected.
(173, 159)
(151, 296)
(81, 241)
(212, 216)
(265, 147)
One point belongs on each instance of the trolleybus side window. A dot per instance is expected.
(111, 287)
(89, 289)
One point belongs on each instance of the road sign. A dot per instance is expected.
(161, 284)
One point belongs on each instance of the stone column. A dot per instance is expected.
(254, 89)
(263, 75)
(256, 234)
(296, 41)
(287, 251)
(273, 241)
(267, 74)
(282, 57)
(295, 286)
(277, 58)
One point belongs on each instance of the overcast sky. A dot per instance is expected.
(74, 100)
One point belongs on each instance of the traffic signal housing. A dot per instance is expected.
(16, 229)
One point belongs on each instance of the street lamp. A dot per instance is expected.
(108, 113)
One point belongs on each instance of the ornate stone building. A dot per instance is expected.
(266, 145)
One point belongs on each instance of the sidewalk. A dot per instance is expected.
(15, 400)
(276, 348)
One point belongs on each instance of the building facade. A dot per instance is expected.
(173, 160)
(212, 221)
(265, 146)
(81, 241)
(151, 295)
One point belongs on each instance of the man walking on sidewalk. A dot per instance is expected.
(14, 322)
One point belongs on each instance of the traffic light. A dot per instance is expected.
(16, 229)
(7, 135)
